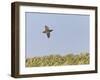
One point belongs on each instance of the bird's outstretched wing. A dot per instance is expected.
(50, 30)
(44, 32)
(48, 35)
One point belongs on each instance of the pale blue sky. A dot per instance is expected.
(70, 34)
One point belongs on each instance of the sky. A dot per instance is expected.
(70, 34)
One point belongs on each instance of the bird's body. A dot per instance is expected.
(47, 31)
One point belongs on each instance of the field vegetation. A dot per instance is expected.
(58, 60)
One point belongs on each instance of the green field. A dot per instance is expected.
(58, 60)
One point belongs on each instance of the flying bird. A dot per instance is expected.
(47, 31)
